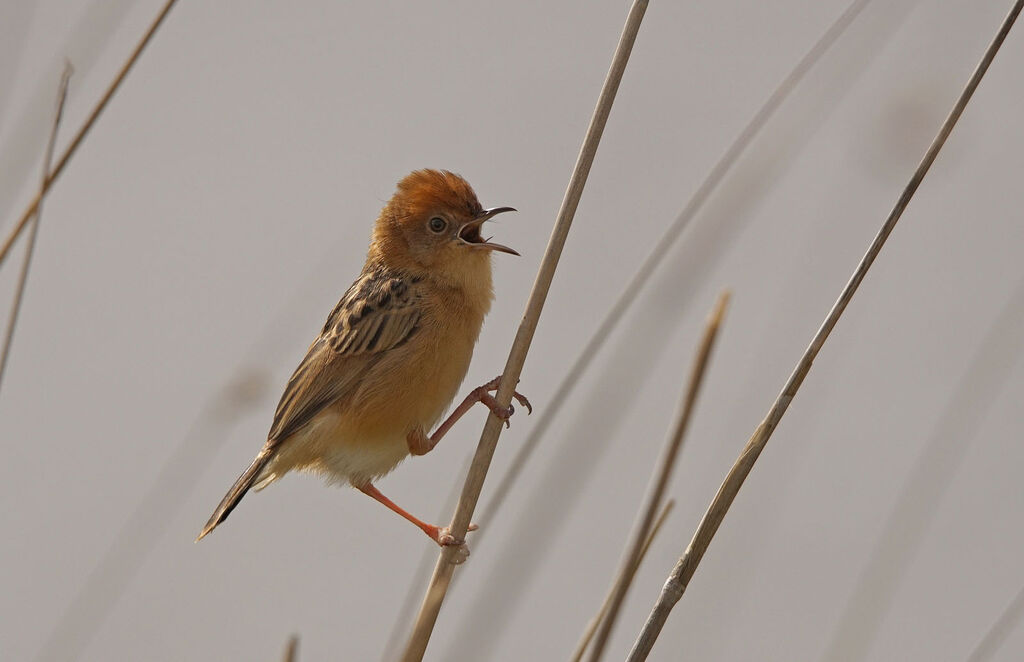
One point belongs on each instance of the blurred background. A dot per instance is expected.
(223, 202)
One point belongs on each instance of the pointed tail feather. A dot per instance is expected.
(238, 490)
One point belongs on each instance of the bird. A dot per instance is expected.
(393, 352)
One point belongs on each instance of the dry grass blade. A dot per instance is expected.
(680, 576)
(84, 130)
(663, 473)
(19, 292)
(591, 629)
(1000, 630)
(517, 356)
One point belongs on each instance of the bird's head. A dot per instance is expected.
(432, 225)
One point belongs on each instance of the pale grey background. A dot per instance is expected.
(224, 201)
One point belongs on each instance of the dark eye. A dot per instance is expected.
(437, 224)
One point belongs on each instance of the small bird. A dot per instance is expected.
(391, 356)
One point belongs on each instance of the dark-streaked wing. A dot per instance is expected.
(379, 312)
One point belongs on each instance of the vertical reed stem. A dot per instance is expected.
(445, 567)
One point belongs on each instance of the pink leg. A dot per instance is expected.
(438, 534)
(421, 444)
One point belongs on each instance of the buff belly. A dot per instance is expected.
(329, 448)
(355, 449)
(363, 436)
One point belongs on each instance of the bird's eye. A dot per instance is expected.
(437, 224)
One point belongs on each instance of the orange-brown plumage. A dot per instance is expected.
(393, 352)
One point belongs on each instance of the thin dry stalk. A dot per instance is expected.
(404, 616)
(291, 651)
(1000, 630)
(660, 250)
(680, 576)
(19, 292)
(663, 473)
(84, 130)
(517, 356)
(591, 629)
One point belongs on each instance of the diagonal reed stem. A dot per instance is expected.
(445, 567)
(84, 130)
(26, 264)
(662, 475)
(680, 576)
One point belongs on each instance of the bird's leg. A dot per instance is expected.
(438, 534)
(421, 444)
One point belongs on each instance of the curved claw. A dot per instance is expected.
(521, 399)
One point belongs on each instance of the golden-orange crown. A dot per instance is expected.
(424, 191)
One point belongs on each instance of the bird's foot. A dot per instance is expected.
(482, 393)
(443, 537)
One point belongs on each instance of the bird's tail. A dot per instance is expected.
(244, 483)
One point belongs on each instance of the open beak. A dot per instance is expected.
(469, 233)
